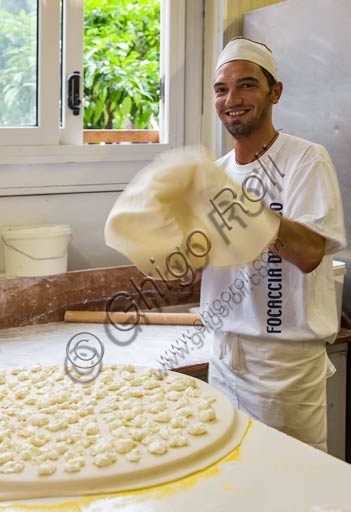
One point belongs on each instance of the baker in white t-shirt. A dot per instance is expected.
(276, 314)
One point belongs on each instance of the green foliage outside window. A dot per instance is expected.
(121, 64)
(18, 63)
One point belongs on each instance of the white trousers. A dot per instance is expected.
(281, 384)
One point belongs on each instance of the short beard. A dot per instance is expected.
(239, 131)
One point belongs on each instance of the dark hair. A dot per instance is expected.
(270, 78)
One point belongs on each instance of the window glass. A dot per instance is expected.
(121, 64)
(18, 62)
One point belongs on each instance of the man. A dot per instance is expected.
(269, 356)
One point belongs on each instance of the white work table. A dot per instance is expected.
(271, 472)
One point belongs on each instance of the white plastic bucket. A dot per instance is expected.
(39, 250)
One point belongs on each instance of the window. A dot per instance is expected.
(18, 80)
(50, 160)
(47, 44)
(29, 112)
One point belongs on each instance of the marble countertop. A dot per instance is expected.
(143, 345)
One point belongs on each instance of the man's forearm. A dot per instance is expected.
(299, 245)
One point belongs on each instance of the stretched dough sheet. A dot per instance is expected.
(224, 433)
(181, 211)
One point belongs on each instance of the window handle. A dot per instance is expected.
(74, 100)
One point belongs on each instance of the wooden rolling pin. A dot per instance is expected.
(100, 317)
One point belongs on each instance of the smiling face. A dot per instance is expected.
(242, 98)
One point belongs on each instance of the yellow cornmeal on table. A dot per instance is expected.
(130, 428)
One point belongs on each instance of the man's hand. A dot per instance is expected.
(299, 245)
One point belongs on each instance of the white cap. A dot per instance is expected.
(241, 48)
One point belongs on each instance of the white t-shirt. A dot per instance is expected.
(271, 298)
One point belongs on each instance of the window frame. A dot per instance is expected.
(71, 131)
(32, 170)
(47, 80)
